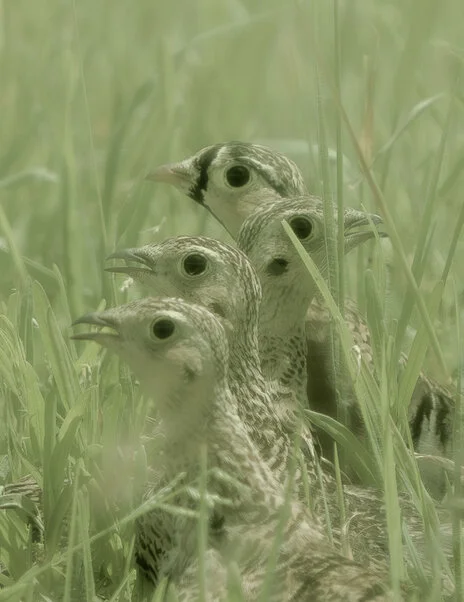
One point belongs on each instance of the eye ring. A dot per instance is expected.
(237, 175)
(301, 226)
(163, 328)
(194, 264)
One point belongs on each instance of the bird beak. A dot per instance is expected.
(184, 176)
(360, 227)
(178, 175)
(136, 255)
(102, 319)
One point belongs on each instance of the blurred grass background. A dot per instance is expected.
(94, 94)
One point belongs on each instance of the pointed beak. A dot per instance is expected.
(101, 319)
(358, 228)
(178, 175)
(358, 218)
(135, 255)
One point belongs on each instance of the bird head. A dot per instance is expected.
(230, 178)
(176, 350)
(199, 269)
(274, 256)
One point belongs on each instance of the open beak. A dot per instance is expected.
(135, 255)
(358, 228)
(101, 319)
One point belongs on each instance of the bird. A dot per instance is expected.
(220, 277)
(175, 269)
(179, 353)
(289, 289)
(232, 179)
(202, 270)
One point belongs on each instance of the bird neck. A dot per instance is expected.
(246, 377)
(245, 363)
(283, 352)
(283, 310)
(229, 449)
(257, 407)
(187, 413)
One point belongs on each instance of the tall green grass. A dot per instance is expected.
(366, 96)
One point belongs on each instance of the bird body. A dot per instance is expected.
(183, 348)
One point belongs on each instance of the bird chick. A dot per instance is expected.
(210, 177)
(214, 274)
(231, 180)
(179, 353)
(287, 287)
(221, 278)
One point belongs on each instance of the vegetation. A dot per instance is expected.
(366, 96)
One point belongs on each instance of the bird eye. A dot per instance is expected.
(163, 328)
(194, 264)
(237, 176)
(301, 226)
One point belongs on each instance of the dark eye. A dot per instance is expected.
(163, 328)
(238, 176)
(194, 264)
(301, 226)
